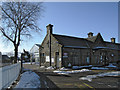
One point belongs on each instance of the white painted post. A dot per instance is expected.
(0, 78)
(0, 57)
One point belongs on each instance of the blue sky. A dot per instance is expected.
(76, 19)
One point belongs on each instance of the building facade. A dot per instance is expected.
(34, 53)
(6, 59)
(66, 51)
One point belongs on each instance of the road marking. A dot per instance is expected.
(88, 85)
(79, 85)
(68, 84)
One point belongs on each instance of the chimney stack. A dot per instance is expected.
(90, 34)
(49, 32)
(113, 40)
(49, 28)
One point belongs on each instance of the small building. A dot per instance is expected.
(67, 51)
(6, 59)
(34, 53)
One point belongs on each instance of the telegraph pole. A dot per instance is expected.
(49, 31)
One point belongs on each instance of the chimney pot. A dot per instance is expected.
(113, 40)
(90, 34)
(49, 28)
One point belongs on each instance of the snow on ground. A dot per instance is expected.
(63, 68)
(111, 66)
(37, 63)
(99, 68)
(42, 66)
(72, 71)
(29, 79)
(90, 77)
(79, 67)
(25, 69)
(29, 62)
(50, 67)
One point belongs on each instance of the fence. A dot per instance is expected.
(9, 74)
(0, 57)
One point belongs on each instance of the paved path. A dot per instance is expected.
(52, 80)
(44, 80)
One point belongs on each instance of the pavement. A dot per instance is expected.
(53, 80)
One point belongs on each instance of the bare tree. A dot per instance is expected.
(19, 21)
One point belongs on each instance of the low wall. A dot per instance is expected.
(9, 74)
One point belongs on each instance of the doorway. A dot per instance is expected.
(57, 59)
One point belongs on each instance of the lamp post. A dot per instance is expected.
(21, 62)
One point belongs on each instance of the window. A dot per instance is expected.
(96, 60)
(88, 60)
(65, 55)
(48, 43)
(42, 54)
(112, 55)
(101, 58)
(57, 53)
(47, 59)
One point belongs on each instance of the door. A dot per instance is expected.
(88, 60)
(75, 60)
(57, 59)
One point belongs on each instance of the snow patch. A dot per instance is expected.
(29, 63)
(63, 68)
(99, 68)
(25, 69)
(29, 79)
(90, 77)
(42, 66)
(37, 63)
(70, 72)
(50, 67)
(111, 65)
(79, 67)
(69, 65)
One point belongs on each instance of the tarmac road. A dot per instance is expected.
(54, 80)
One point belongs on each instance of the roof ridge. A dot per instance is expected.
(112, 43)
(69, 36)
(37, 44)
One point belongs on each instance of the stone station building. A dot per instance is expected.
(66, 51)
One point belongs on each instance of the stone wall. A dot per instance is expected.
(75, 56)
(79, 57)
(55, 47)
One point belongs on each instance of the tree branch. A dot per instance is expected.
(2, 30)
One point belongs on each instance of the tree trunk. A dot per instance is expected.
(16, 54)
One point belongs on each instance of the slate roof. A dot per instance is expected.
(5, 57)
(112, 45)
(38, 45)
(75, 42)
(92, 39)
